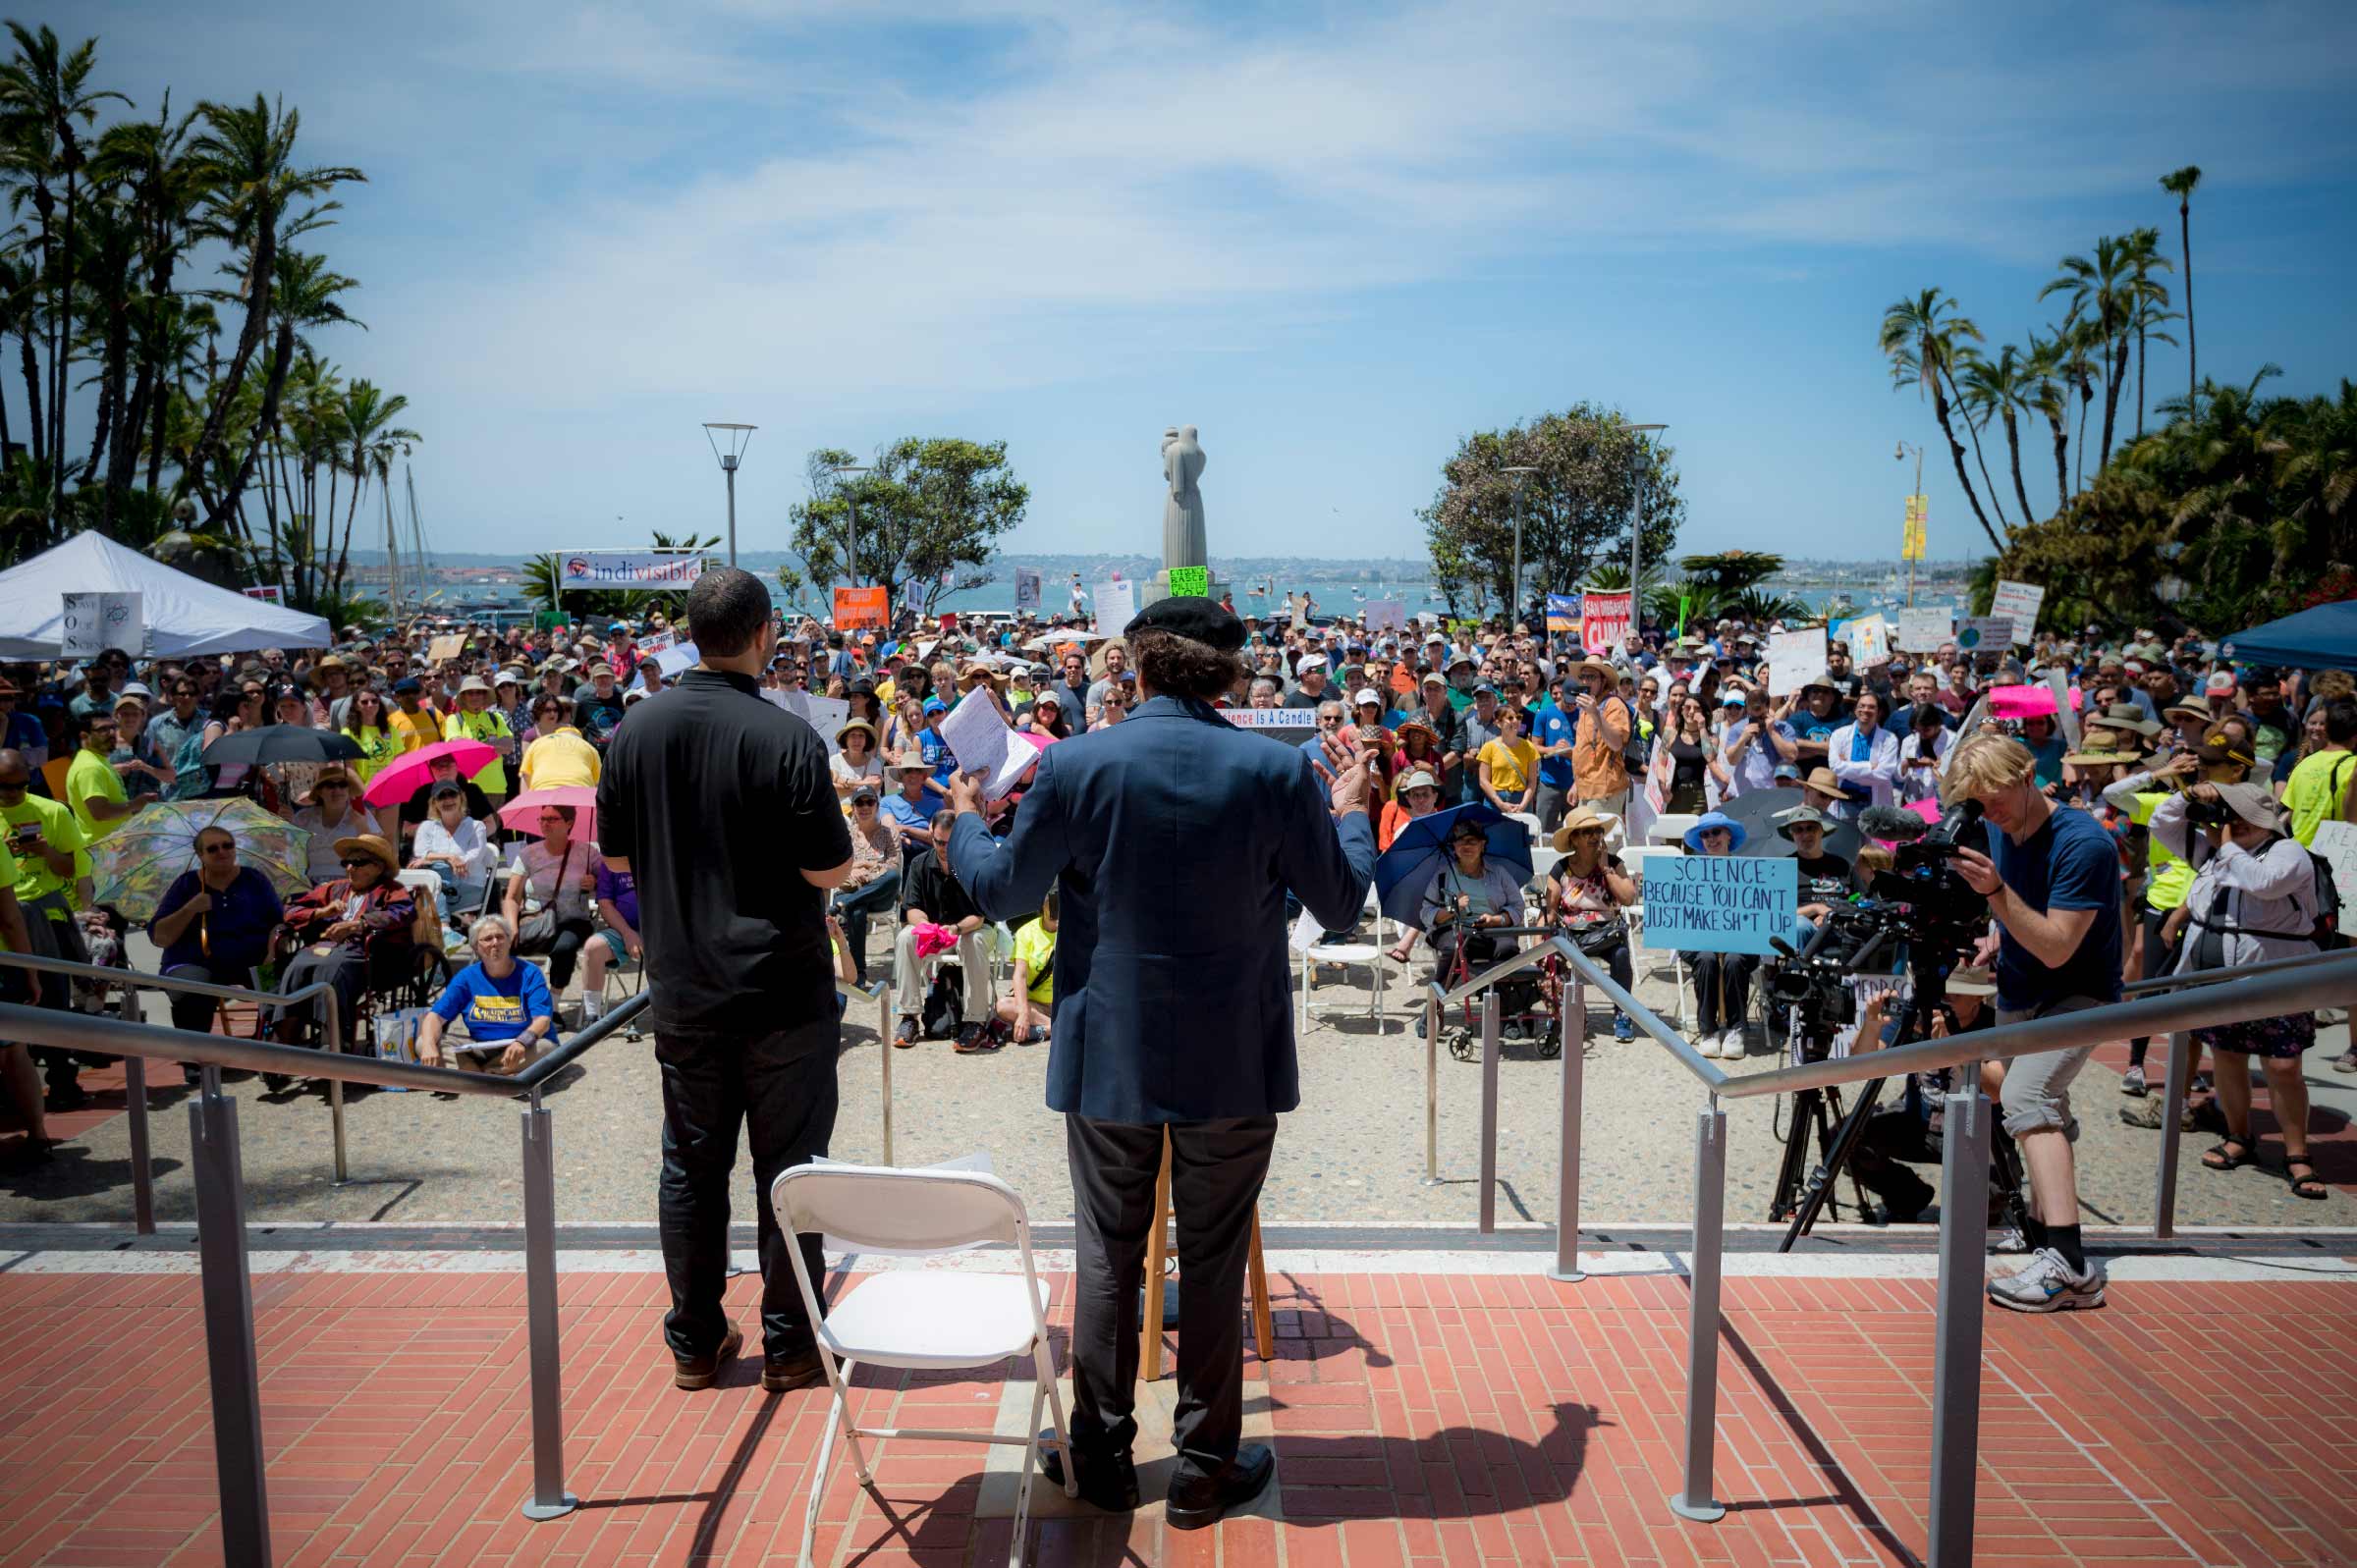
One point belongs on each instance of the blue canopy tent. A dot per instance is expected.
(2321, 638)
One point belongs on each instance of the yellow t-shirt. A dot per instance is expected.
(1035, 950)
(377, 748)
(34, 879)
(2167, 878)
(561, 757)
(8, 876)
(90, 776)
(1511, 765)
(486, 726)
(414, 729)
(2318, 790)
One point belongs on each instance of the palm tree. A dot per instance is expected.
(2179, 183)
(303, 294)
(2148, 304)
(373, 441)
(2101, 289)
(252, 189)
(44, 101)
(2049, 395)
(1921, 337)
(2082, 350)
(2001, 389)
(162, 187)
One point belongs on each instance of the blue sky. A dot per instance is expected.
(1336, 238)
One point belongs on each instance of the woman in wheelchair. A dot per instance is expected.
(1585, 893)
(507, 1005)
(1468, 898)
(360, 922)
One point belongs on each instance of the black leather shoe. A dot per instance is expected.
(1107, 1481)
(698, 1372)
(1199, 1500)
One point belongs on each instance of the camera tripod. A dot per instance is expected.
(1818, 1110)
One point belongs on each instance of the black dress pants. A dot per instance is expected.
(1216, 1171)
(781, 1088)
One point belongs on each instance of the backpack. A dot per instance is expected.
(2326, 933)
(944, 1003)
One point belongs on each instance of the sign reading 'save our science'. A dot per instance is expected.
(1720, 904)
(629, 568)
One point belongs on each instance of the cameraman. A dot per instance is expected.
(2051, 880)
(2253, 898)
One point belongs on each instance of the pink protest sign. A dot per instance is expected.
(2026, 702)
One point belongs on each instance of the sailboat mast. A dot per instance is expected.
(392, 551)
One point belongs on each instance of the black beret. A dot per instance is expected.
(1196, 619)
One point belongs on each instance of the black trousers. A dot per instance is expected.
(1721, 989)
(1216, 1171)
(781, 1088)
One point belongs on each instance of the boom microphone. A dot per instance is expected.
(1892, 823)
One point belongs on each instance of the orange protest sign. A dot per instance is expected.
(861, 608)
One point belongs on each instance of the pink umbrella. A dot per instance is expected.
(524, 812)
(406, 774)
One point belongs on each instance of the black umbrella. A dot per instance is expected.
(282, 743)
(1757, 810)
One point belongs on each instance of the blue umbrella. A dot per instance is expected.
(1416, 856)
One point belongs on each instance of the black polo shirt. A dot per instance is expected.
(720, 800)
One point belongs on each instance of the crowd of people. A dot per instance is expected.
(1592, 747)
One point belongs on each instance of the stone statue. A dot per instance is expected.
(1182, 537)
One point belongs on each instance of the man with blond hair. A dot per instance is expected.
(2052, 879)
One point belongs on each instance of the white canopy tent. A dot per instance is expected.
(184, 615)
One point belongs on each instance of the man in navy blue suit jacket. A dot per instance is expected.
(1174, 838)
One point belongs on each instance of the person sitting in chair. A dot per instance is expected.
(457, 849)
(213, 924)
(505, 1003)
(341, 924)
(1467, 901)
(1586, 891)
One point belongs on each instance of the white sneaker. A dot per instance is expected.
(593, 1007)
(1730, 1045)
(1706, 1045)
(2047, 1285)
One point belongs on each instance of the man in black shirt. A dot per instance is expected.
(720, 804)
(931, 893)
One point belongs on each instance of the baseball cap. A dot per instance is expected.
(2221, 683)
(1309, 662)
(2218, 747)
(1365, 694)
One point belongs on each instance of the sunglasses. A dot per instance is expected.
(354, 865)
(230, 849)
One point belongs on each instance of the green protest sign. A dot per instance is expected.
(1190, 582)
(547, 619)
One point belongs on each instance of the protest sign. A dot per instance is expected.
(449, 645)
(542, 619)
(2018, 602)
(629, 568)
(1604, 621)
(1720, 904)
(1026, 588)
(1870, 641)
(977, 736)
(1794, 658)
(862, 609)
(676, 660)
(1922, 631)
(1562, 611)
(98, 621)
(1387, 615)
(1190, 582)
(1116, 605)
(1985, 634)
(826, 716)
(1275, 721)
(269, 593)
(2337, 841)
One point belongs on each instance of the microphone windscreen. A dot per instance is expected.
(1894, 823)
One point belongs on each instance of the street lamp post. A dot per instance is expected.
(850, 539)
(739, 438)
(1522, 476)
(1636, 538)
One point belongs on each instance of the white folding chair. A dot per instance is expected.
(1312, 953)
(922, 1318)
(1636, 859)
(1671, 827)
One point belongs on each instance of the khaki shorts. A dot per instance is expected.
(2037, 1088)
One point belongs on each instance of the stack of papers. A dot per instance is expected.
(978, 738)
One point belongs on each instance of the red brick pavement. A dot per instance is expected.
(1421, 1419)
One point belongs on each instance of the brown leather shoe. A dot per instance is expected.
(698, 1372)
(783, 1374)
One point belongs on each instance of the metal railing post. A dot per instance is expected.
(228, 1293)
(134, 1118)
(1566, 1182)
(1702, 1319)
(884, 1047)
(1489, 1111)
(1956, 1331)
(2172, 1111)
(550, 1500)
(335, 1085)
(1432, 1089)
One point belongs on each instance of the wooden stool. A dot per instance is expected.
(1149, 1331)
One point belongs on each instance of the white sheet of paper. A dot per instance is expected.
(1795, 657)
(978, 738)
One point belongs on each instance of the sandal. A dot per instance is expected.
(2216, 1158)
(2310, 1186)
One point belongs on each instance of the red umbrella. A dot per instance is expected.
(407, 772)
(524, 812)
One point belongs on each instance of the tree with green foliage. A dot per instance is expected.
(1574, 510)
(929, 510)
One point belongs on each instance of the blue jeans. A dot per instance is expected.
(857, 907)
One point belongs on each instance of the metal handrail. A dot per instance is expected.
(2211, 977)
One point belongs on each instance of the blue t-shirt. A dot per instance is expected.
(233, 937)
(2070, 863)
(496, 1009)
(911, 819)
(1549, 727)
(2049, 753)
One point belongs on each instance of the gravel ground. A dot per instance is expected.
(1354, 1151)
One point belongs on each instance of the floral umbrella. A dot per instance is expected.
(134, 866)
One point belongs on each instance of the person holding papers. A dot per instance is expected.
(1172, 839)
